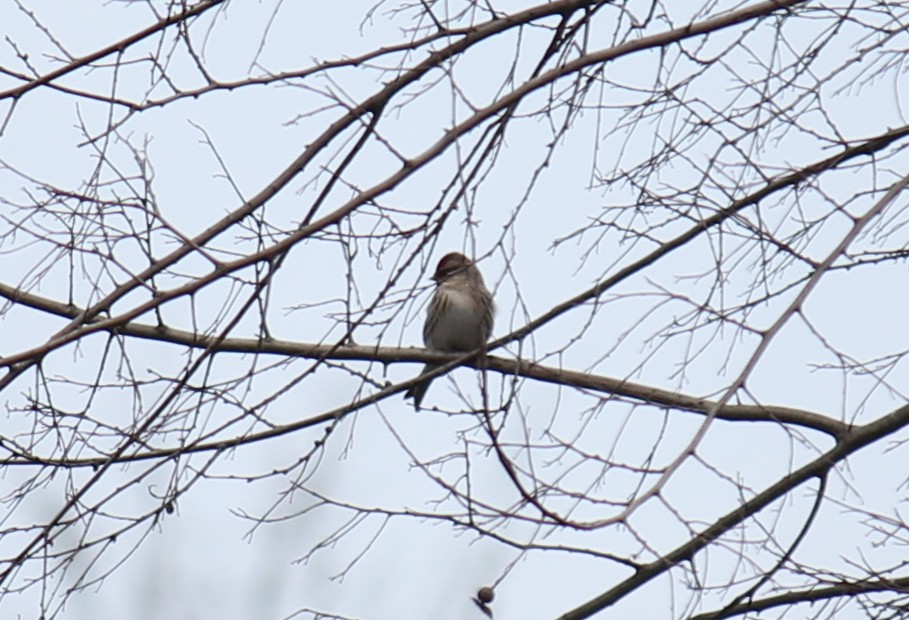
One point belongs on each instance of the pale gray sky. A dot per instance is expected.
(208, 559)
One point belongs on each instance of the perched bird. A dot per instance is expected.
(459, 317)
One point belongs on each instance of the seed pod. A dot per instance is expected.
(485, 595)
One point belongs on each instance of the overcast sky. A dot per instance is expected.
(362, 525)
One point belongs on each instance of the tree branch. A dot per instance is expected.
(521, 368)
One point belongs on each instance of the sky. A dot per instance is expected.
(360, 525)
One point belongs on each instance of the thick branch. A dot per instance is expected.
(857, 438)
(522, 368)
(796, 597)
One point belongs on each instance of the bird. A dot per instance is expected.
(459, 317)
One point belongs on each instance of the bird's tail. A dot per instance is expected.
(418, 391)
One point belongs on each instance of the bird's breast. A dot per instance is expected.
(460, 327)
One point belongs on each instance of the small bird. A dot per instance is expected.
(459, 317)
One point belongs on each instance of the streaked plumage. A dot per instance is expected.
(460, 315)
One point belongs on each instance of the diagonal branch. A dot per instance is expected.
(795, 597)
(858, 438)
(115, 48)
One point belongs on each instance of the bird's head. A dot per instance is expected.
(451, 264)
